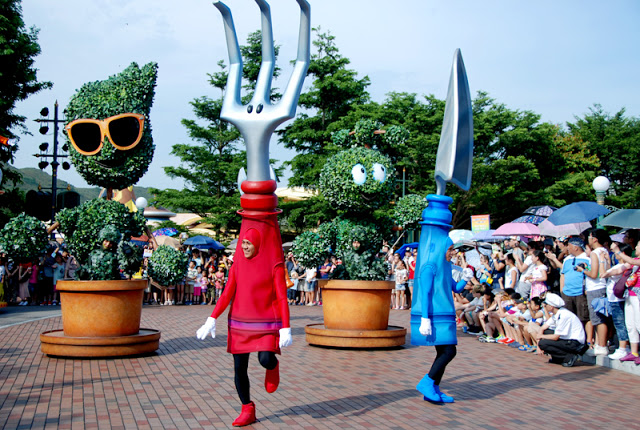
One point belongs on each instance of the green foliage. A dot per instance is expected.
(364, 266)
(407, 212)
(333, 92)
(18, 80)
(101, 264)
(351, 179)
(129, 257)
(24, 237)
(80, 225)
(130, 91)
(168, 266)
(310, 249)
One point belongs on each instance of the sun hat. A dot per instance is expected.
(554, 300)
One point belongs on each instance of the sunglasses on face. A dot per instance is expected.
(124, 132)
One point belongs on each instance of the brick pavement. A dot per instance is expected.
(189, 384)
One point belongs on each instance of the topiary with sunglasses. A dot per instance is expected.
(108, 128)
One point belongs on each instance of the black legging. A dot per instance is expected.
(444, 355)
(267, 360)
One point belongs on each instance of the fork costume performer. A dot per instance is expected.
(258, 319)
(433, 318)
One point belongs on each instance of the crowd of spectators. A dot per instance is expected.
(563, 297)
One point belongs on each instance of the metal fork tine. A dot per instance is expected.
(234, 80)
(263, 85)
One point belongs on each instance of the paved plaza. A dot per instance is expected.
(188, 384)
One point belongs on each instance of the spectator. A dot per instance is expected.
(616, 304)
(310, 286)
(190, 281)
(568, 338)
(58, 271)
(572, 281)
(539, 274)
(524, 267)
(596, 287)
(402, 277)
(511, 275)
(632, 304)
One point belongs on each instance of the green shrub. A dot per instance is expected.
(168, 266)
(408, 211)
(24, 238)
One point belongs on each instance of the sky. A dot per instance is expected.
(556, 58)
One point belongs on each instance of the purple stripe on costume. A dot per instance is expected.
(255, 326)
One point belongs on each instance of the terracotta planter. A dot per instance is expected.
(101, 308)
(356, 305)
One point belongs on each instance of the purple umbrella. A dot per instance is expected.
(544, 211)
(532, 219)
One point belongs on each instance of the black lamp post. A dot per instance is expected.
(43, 155)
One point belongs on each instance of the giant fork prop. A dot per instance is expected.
(258, 120)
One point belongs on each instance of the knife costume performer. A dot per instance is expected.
(258, 319)
(433, 318)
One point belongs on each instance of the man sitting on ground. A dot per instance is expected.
(568, 340)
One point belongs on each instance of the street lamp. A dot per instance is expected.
(601, 185)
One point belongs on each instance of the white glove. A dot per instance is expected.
(467, 274)
(285, 337)
(208, 327)
(425, 326)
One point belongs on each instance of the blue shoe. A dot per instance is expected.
(443, 397)
(427, 388)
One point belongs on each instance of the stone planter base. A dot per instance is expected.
(100, 319)
(356, 315)
(318, 334)
(56, 343)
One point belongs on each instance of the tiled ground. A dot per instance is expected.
(189, 384)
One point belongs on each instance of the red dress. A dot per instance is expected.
(257, 291)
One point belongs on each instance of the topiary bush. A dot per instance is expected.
(168, 266)
(131, 91)
(86, 229)
(24, 238)
(310, 249)
(408, 211)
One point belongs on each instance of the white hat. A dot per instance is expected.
(554, 300)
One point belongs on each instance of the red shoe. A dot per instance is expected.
(272, 379)
(247, 416)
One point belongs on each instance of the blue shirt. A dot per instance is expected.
(574, 280)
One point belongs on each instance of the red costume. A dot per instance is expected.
(256, 289)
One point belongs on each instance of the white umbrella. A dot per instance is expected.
(547, 228)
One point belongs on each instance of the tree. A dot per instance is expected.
(335, 90)
(615, 140)
(18, 80)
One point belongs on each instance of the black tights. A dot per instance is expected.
(267, 360)
(444, 355)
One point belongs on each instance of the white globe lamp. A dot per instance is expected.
(601, 185)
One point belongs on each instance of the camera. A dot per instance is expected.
(583, 265)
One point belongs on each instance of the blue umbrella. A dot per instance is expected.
(531, 219)
(404, 247)
(577, 212)
(544, 211)
(204, 242)
(627, 218)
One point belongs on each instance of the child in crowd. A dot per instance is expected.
(219, 282)
(531, 330)
(192, 273)
(211, 281)
(401, 278)
(473, 308)
(539, 274)
(511, 272)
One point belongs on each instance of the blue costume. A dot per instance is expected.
(432, 298)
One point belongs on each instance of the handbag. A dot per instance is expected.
(621, 284)
(288, 279)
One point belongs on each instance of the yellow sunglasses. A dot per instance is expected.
(124, 132)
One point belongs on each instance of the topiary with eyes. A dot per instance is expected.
(355, 181)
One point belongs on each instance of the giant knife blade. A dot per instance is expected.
(455, 151)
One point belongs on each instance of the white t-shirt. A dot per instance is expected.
(529, 263)
(311, 274)
(568, 326)
(507, 278)
(536, 272)
(591, 284)
(401, 276)
(3, 272)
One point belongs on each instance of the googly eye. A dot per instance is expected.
(359, 174)
(379, 172)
